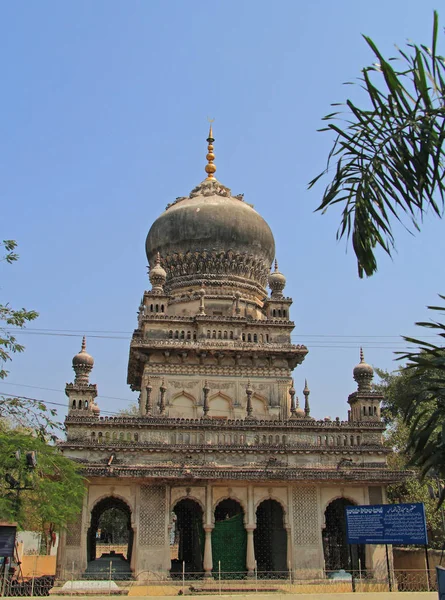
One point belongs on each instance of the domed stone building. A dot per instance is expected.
(222, 467)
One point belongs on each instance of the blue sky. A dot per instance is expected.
(103, 122)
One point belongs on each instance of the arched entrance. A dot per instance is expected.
(270, 539)
(110, 537)
(187, 538)
(337, 554)
(229, 539)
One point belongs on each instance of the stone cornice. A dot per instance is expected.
(82, 388)
(220, 424)
(206, 345)
(234, 320)
(279, 450)
(281, 474)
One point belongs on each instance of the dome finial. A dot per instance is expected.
(363, 374)
(210, 168)
(157, 276)
(82, 364)
(276, 266)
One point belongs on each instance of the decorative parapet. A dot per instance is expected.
(210, 344)
(190, 472)
(269, 322)
(217, 424)
(287, 448)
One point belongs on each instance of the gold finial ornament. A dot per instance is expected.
(210, 168)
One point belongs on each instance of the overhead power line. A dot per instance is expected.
(122, 334)
(48, 402)
(36, 387)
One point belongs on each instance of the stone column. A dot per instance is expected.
(250, 553)
(289, 546)
(250, 528)
(208, 528)
(162, 389)
(148, 401)
(205, 391)
(208, 557)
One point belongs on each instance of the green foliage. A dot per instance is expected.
(11, 317)
(389, 155)
(54, 489)
(397, 387)
(19, 411)
(424, 410)
(113, 524)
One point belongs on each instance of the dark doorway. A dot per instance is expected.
(110, 532)
(187, 538)
(337, 554)
(229, 540)
(270, 540)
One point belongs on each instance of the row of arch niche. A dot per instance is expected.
(115, 436)
(339, 440)
(181, 335)
(228, 335)
(79, 404)
(229, 539)
(337, 553)
(185, 406)
(110, 527)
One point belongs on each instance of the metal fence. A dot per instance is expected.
(224, 583)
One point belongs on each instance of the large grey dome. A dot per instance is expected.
(211, 235)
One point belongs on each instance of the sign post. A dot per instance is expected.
(388, 524)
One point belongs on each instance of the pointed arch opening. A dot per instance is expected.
(229, 539)
(259, 406)
(270, 540)
(220, 405)
(187, 539)
(183, 405)
(110, 538)
(335, 547)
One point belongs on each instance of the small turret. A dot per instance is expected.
(157, 276)
(83, 364)
(365, 404)
(82, 393)
(277, 283)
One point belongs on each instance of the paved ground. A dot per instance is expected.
(277, 596)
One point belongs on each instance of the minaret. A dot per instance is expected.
(82, 393)
(365, 404)
(306, 393)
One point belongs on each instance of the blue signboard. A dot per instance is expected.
(386, 524)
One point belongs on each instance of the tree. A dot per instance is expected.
(390, 154)
(389, 168)
(395, 387)
(22, 411)
(43, 497)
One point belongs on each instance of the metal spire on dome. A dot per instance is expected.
(84, 344)
(362, 355)
(210, 168)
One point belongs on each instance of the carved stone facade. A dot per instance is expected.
(220, 433)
